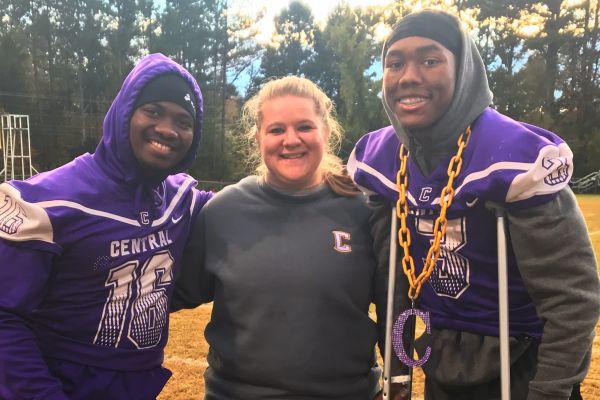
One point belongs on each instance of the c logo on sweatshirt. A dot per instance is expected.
(144, 218)
(12, 216)
(424, 196)
(339, 237)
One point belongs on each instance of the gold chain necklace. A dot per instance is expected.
(439, 228)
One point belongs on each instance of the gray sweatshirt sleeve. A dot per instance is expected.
(556, 260)
(380, 230)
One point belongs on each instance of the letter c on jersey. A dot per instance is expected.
(398, 337)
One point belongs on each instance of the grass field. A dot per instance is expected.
(186, 351)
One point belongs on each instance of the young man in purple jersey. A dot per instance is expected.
(436, 95)
(89, 250)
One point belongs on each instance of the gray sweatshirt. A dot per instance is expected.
(292, 278)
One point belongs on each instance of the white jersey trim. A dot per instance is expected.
(532, 182)
(188, 181)
(192, 203)
(87, 210)
(115, 217)
(354, 165)
(475, 176)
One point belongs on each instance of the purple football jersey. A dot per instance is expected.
(111, 274)
(512, 164)
(89, 251)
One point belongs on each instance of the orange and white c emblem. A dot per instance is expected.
(339, 245)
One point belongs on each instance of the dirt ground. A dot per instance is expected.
(185, 354)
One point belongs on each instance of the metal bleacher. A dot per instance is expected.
(587, 184)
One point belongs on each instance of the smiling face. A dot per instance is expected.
(292, 140)
(160, 134)
(419, 78)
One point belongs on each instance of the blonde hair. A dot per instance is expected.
(331, 165)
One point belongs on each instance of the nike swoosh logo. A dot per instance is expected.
(176, 220)
(472, 203)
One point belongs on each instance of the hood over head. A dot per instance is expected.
(471, 94)
(114, 153)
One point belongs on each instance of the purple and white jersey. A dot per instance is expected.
(110, 280)
(512, 164)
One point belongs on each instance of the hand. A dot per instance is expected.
(398, 391)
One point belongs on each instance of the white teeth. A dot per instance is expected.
(160, 146)
(291, 156)
(411, 100)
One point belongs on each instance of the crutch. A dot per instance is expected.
(503, 304)
(389, 315)
(389, 323)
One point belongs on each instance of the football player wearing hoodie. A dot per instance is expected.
(444, 160)
(89, 250)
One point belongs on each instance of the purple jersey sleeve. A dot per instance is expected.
(23, 278)
(201, 197)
